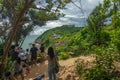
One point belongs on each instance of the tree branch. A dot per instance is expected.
(15, 26)
(42, 9)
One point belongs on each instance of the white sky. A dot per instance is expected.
(72, 15)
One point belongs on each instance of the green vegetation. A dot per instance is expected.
(60, 34)
(100, 37)
(18, 18)
(103, 40)
(64, 55)
(59, 38)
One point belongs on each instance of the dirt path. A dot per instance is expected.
(67, 68)
(37, 70)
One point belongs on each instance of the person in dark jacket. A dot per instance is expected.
(13, 53)
(42, 51)
(33, 52)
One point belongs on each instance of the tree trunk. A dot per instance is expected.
(22, 41)
(15, 26)
(6, 49)
(16, 40)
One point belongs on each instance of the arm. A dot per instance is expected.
(57, 60)
(36, 49)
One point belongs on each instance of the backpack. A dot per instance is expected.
(56, 69)
(56, 66)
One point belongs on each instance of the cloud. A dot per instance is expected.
(53, 24)
(39, 30)
(73, 15)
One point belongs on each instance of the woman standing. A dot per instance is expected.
(51, 64)
(17, 68)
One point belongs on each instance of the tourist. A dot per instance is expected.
(28, 56)
(9, 76)
(33, 52)
(42, 51)
(22, 55)
(17, 68)
(13, 53)
(51, 64)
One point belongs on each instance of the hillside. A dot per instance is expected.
(101, 37)
(58, 34)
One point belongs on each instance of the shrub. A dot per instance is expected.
(80, 67)
(64, 55)
(104, 66)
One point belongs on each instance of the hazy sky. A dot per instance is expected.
(72, 15)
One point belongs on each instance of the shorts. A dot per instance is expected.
(33, 57)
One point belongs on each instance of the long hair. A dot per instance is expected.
(51, 52)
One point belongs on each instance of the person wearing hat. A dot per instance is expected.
(8, 75)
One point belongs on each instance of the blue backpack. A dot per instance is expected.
(40, 77)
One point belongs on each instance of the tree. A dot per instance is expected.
(15, 23)
(115, 13)
(96, 22)
(18, 13)
(115, 23)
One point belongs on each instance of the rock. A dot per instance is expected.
(59, 78)
(68, 77)
(77, 78)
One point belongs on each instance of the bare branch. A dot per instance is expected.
(76, 5)
(41, 9)
(80, 7)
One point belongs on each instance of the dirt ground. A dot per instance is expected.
(67, 69)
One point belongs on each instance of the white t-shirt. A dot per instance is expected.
(28, 55)
(22, 56)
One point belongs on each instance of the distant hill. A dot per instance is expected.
(58, 35)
